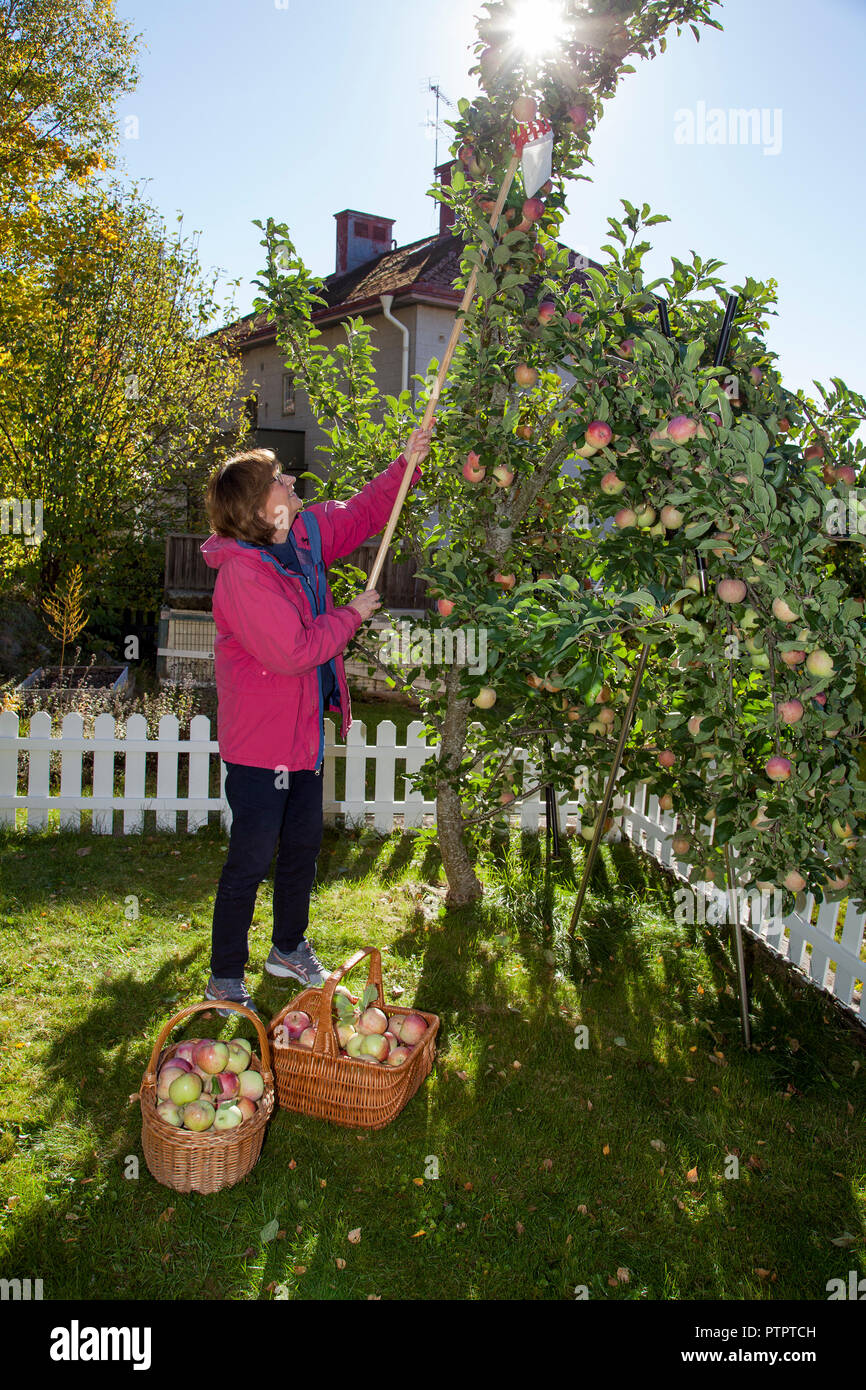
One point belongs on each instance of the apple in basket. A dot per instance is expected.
(169, 1072)
(211, 1057)
(373, 1020)
(251, 1085)
(392, 1040)
(228, 1117)
(413, 1029)
(395, 1023)
(375, 1045)
(185, 1051)
(198, 1115)
(185, 1088)
(398, 1056)
(308, 1037)
(345, 1031)
(240, 1053)
(353, 1046)
(171, 1113)
(247, 1107)
(295, 1023)
(225, 1086)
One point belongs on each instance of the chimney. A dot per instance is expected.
(446, 213)
(360, 237)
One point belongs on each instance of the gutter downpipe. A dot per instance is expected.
(386, 301)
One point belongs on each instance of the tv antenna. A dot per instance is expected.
(433, 86)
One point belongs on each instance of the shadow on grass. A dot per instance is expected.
(485, 971)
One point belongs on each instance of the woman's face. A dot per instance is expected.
(281, 506)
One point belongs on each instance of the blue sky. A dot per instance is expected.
(255, 108)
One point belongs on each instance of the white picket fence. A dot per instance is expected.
(836, 966)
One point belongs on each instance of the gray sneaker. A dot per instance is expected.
(235, 990)
(302, 964)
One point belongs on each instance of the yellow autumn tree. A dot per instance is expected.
(64, 611)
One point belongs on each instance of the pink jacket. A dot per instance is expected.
(269, 645)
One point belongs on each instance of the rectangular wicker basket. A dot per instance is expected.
(320, 1083)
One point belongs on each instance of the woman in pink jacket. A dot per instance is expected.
(279, 666)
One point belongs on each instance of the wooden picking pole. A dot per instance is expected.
(440, 380)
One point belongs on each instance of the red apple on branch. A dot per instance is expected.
(473, 470)
(778, 769)
(731, 590)
(524, 109)
(598, 434)
(525, 375)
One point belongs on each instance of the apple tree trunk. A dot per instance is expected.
(464, 885)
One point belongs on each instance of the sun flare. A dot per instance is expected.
(537, 27)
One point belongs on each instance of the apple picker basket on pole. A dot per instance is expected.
(718, 359)
(533, 150)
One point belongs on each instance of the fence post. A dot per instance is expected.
(134, 773)
(355, 799)
(417, 753)
(166, 771)
(72, 730)
(386, 764)
(199, 769)
(39, 771)
(8, 764)
(102, 821)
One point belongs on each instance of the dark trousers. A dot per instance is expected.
(269, 810)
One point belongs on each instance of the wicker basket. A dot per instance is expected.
(321, 1083)
(212, 1160)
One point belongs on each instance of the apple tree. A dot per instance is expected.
(509, 410)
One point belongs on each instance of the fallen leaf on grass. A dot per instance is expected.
(12, 1202)
(292, 1163)
(766, 1274)
(692, 1175)
(467, 1187)
(612, 1283)
(354, 1236)
(658, 1144)
(341, 1264)
(547, 1164)
(845, 1240)
(623, 1275)
(416, 1234)
(166, 1258)
(619, 1042)
(519, 1227)
(166, 1215)
(268, 1232)
(300, 1269)
(463, 1076)
(419, 1182)
(606, 1149)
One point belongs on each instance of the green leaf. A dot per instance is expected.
(269, 1232)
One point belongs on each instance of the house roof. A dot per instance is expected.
(423, 271)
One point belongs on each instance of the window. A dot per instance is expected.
(288, 394)
(379, 233)
(362, 229)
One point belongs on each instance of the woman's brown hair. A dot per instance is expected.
(237, 491)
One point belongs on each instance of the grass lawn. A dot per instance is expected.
(558, 1166)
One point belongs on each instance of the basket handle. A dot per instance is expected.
(326, 1038)
(210, 1004)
